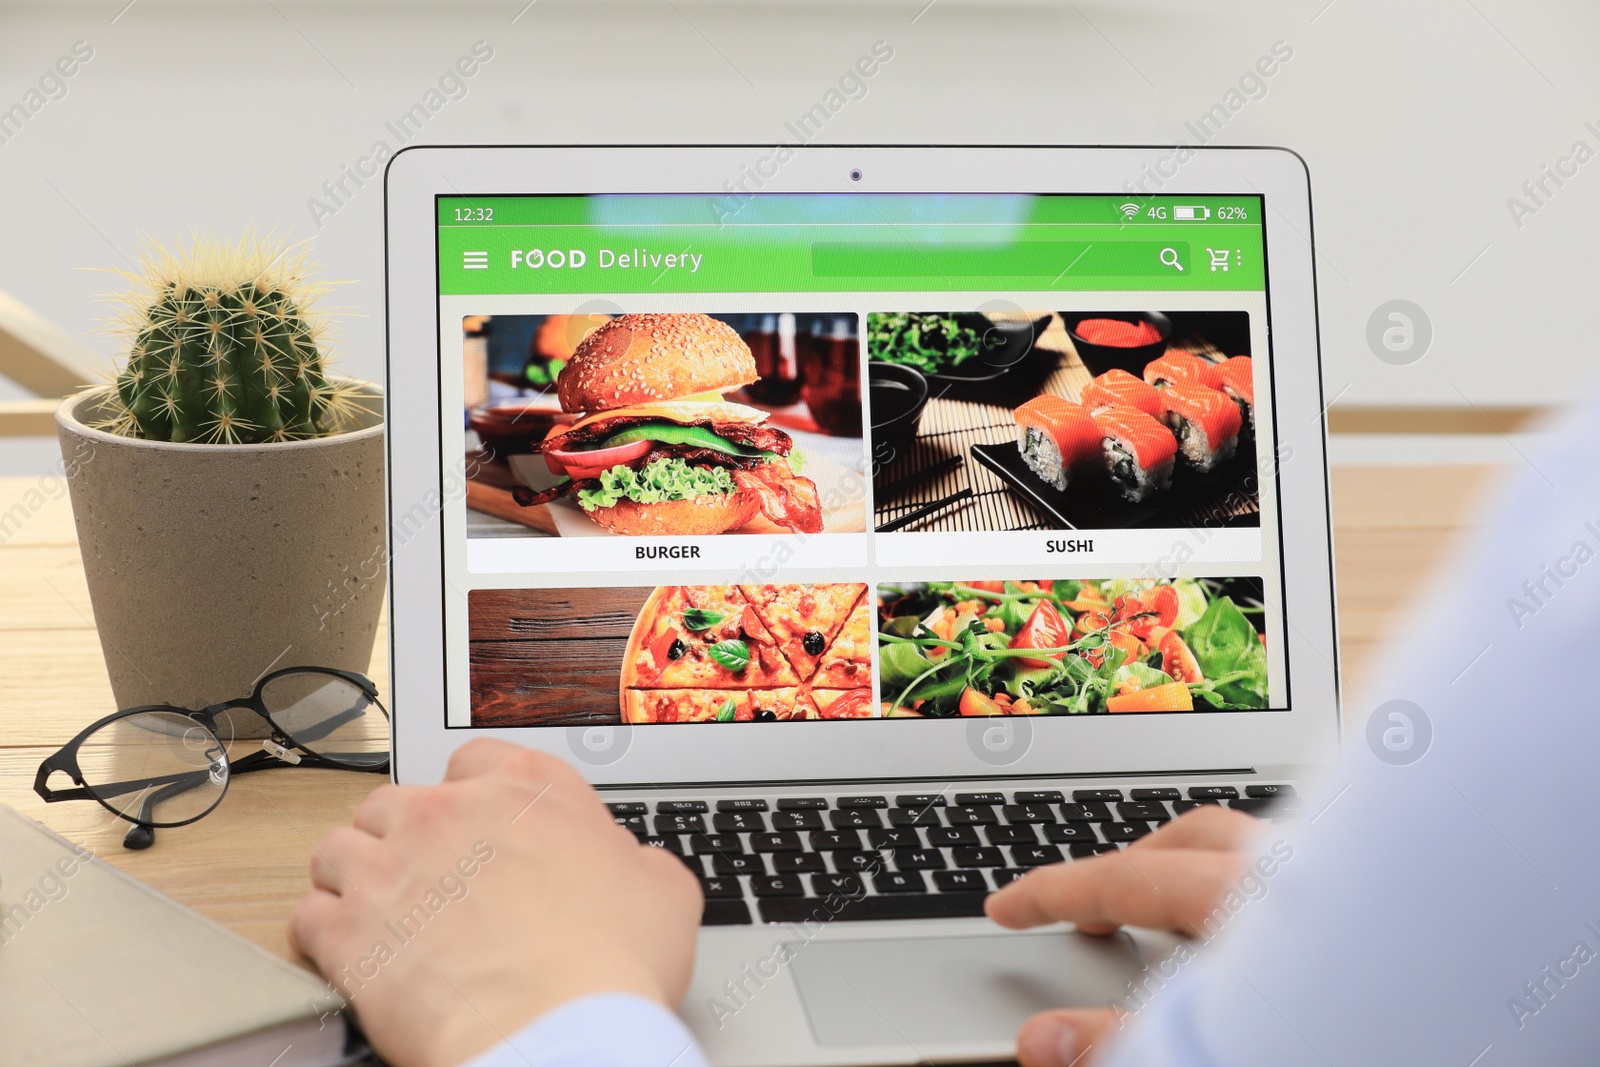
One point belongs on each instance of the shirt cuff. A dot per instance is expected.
(607, 1030)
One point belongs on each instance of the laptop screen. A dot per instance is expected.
(782, 458)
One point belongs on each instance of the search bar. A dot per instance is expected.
(1022, 259)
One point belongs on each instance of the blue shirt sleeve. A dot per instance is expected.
(1440, 902)
(610, 1030)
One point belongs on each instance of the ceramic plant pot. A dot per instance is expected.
(210, 564)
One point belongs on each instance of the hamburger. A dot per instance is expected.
(656, 449)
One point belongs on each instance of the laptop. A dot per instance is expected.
(870, 525)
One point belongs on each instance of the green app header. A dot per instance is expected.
(837, 242)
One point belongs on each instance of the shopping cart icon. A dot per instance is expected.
(1219, 259)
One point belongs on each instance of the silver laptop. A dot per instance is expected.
(871, 525)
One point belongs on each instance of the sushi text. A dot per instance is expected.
(1063, 544)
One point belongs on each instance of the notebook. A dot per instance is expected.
(99, 970)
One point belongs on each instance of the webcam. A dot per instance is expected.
(855, 174)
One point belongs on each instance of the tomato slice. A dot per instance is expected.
(1178, 661)
(1044, 629)
(593, 462)
(1159, 606)
(975, 705)
(856, 704)
(988, 587)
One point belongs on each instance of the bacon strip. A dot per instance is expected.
(788, 500)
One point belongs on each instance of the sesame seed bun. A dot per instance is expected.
(701, 515)
(637, 359)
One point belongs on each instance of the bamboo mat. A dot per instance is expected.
(951, 427)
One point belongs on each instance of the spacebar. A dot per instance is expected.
(888, 906)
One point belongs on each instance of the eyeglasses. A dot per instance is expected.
(160, 765)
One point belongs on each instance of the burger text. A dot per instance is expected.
(667, 552)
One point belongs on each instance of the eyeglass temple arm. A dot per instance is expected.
(115, 789)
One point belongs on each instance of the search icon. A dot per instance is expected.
(1169, 258)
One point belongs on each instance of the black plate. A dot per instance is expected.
(1092, 502)
(1008, 375)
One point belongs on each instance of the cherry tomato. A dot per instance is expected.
(975, 705)
(591, 463)
(1159, 606)
(1178, 661)
(1044, 629)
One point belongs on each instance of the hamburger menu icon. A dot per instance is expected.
(657, 449)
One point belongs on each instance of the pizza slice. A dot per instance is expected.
(643, 706)
(847, 662)
(804, 619)
(703, 637)
(844, 703)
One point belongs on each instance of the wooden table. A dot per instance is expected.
(245, 864)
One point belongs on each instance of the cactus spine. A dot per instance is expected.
(225, 349)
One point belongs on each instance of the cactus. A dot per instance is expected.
(226, 349)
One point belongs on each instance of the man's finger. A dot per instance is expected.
(1210, 826)
(339, 856)
(1065, 1038)
(380, 810)
(312, 923)
(486, 755)
(1169, 889)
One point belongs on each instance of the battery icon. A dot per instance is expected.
(1190, 213)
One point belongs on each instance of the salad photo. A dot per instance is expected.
(1071, 647)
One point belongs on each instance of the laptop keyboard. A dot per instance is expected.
(903, 856)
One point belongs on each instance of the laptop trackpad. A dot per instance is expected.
(955, 989)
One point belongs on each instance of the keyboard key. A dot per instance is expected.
(1066, 833)
(725, 913)
(741, 804)
(781, 842)
(1124, 831)
(1024, 813)
(1266, 792)
(1130, 809)
(836, 841)
(893, 839)
(798, 863)
(632, 823)
(1263, 806)
(696, 864)
(1035, 855)
(918, 859)
(803, 804)
(863, 802)
(952, 836)
(1006, 875)
(631, 807)
(1094, 811)
(1084, 796)
(968, 815)
(1037, 796)
(961, 881)
(900, 882)
(797, 820)
(1213, 792)
(1181, 806)
(680, 824)
(920, 800)
(1083, 850)
(854, 819)
(1011, 835)
(739, 822)
(970, 799)
(888, 906)
(706, 844)
(723, 864)
(978, 857)
(681, 807)
(721, 886)
(914, 817)
(857, 862)
(673, 844)
(1163, 793)
(845, 885)
(777, 885)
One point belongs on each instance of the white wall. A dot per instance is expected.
(1418, 124)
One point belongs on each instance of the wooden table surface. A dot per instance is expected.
(245, 864)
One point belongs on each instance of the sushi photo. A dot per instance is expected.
(1162, 441)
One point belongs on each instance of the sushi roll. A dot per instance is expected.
(1182, 368)
(1056, 437)
(1139, 450)
(1205, 422)
(1118, 388)
(1239, 382)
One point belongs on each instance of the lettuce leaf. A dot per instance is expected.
(664, 479)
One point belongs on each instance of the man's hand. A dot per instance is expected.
(453, 915)
(1171, 879)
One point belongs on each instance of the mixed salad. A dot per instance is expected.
(931, 343)
(1070, 647)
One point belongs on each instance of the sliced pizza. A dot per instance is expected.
(844, 704)
(847, 662)
(804, 619)
(702, 637)
(641, 706)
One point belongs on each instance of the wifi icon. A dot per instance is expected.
(1129, 210)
